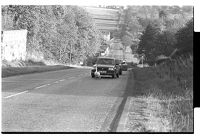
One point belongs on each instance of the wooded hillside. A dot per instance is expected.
(54, 30)
(156, 30)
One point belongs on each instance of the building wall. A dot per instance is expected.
(14, 45)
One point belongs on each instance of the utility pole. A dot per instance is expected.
(142, 61)
(142, 58)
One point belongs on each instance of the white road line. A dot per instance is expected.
(55, 82)
(40, 86)
(62, 80)
(16, 94)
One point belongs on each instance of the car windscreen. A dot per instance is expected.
(106, 61)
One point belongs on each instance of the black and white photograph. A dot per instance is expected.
(104, 68)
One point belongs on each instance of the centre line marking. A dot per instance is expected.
(62, 80)
(40, 86)
(16, 94)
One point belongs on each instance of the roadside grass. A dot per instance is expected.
(26, 63)
(13, 71)
(170, 85)
(31, 65)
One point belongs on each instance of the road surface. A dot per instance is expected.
(60, 101)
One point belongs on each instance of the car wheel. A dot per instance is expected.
(92, 75)
(120, 72)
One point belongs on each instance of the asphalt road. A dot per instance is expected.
(60, 101)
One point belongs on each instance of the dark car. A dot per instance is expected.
(119, 62)
(106, 66)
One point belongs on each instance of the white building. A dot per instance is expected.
(14, 45)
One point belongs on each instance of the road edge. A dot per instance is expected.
(120, 109)
(124, 116)
(129, 87)
(107, 125)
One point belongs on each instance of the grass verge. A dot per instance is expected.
(170, 85)
(13, 71)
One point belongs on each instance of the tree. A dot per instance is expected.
(165, 43)
(23, 17)
(63, 33)
(162, 14)
(89, 38)
(127, 40)
(147, 42)
(184, 38)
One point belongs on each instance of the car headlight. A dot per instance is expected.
(110, 68)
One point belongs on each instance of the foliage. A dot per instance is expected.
(165, 43)
(55, 30)
(184, 38)
(169, 19)
(155, 42)
(126, 40)
(147, 43)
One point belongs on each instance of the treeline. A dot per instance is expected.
(154, 42)
(156, 30)
(59, 32)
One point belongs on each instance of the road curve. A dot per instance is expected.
(60, 101)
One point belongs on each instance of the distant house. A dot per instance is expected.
(13, 45)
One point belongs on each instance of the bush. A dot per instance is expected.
(35, 63)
